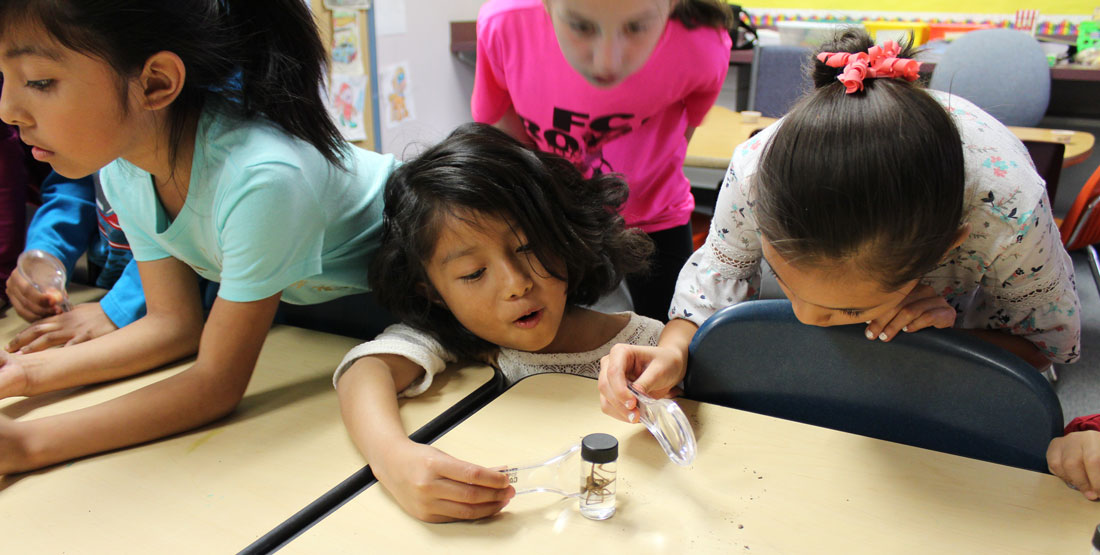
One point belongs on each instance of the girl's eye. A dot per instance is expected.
(852, 313)
(524, 248)
(635, 28)
(473, 276)
(582, 27)
(40, 85)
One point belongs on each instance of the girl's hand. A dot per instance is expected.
(85, 321)
(13, 377)
(922, 308)
(14, 456)
(29, 303)
(655, 371)
(435, 487)
(1075, 458)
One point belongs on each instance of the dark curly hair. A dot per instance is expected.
(571, 224)
(875, 178)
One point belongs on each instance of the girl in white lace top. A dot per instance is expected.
(488, 252)
(877, 202)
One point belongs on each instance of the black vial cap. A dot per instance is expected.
(1096, 538)
(599, 448)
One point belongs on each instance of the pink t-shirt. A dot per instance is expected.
(635, 128)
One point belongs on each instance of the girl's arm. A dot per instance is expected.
(1014, 344)
(511, 124)
(427, 483)
(211, 388)
(656, 371)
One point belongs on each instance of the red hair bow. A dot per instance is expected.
(877, 62)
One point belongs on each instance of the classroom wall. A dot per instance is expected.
(440, 84)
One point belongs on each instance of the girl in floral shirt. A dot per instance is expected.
(876, 202)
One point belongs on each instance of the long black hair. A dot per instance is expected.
(266, 56)
(571, 224)
(874, 178)
(704, 13)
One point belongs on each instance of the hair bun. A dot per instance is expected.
(852, 40)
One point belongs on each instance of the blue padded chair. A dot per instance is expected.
(937, 389)
(1003, 71)
(778, 78)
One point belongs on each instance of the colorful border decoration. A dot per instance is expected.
(1054, 26)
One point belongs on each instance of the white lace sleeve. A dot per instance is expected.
(408, 342)
(1033, 291)
(726, 269)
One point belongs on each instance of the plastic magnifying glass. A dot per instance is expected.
(664, 419)
(45, 273)
(558, 474)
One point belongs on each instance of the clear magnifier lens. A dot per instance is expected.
(45, 273)
(664, 419)
(558, 474)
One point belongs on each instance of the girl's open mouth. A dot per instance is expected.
(529, 320)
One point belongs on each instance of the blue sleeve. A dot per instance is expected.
(125, 302)
(66, 223)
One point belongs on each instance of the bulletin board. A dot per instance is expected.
(323, 16)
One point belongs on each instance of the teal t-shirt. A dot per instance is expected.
(265, 212)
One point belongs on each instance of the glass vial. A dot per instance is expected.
(599, 459)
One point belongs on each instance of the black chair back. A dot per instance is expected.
(938, 389)
(1048, 158)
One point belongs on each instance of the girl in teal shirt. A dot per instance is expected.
(220, 160)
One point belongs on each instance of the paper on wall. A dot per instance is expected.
(389, 17)
(396, 94)
(347, 99)
(353, 4)
(347, 49)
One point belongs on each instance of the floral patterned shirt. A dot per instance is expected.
(1011, 273)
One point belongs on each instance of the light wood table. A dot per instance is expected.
(758, 485)
(712, 144)
(215, 489)
(1078, 149)
(722, 130)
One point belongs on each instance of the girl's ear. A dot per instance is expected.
(960, 236)
(161, 80)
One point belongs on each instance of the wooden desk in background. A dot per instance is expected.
(713, 142)
(759, 485)
(211, 490)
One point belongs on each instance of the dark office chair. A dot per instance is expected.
(778, 78)
(1048, 158)
(937, 389)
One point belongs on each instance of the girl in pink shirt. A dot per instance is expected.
(617, 87)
